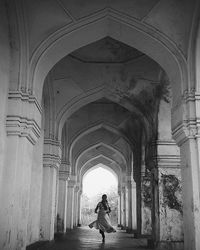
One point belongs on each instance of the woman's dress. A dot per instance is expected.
(103, 222)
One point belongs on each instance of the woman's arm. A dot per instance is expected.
(109, 209)
(96, 208)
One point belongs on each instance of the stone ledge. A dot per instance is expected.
(23, 127)
(26, 97)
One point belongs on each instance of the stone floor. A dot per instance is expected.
(89, 239)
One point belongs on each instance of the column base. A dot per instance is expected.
(169, 245)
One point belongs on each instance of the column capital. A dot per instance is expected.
(64, 175)
(65, 166)
(189, 129)
(24, 116)
(52, 152)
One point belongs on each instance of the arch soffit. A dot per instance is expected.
(94, 128)
(96, 145)
(92, 96)
(146, 39)
(91, 150)
(98, 155)
(86, 168)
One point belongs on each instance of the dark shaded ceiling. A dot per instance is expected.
(106, 50)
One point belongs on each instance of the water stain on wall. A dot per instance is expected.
(146, 193)
(172, 192)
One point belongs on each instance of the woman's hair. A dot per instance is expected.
(104, 195)
(105, 205)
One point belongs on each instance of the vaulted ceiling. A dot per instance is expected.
(120, 89)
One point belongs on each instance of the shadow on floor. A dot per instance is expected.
(89, 239)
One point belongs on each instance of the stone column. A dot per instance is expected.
(33, 229)
(168, 197)
(64, 173)
(70, 204)
(76, 203)
(188, 141)
(132, 208)
(119, 222)
(23, 131)
(146, 205)
(79, 208)
(127, 207)
(124, 207)
(123, 216)
(51, 163)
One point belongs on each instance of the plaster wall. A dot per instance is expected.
(33, 228)
(48, 204)
(170, 204)
(4, 80)
(170, 217)
(15, 197)
(70, 205)
(164, 121)
(62, 205)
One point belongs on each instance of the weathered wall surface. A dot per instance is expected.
(4, 79)
(146, 206)
(170, 203)
(33, 228)
(133, 79)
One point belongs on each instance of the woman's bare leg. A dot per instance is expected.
(103, 235)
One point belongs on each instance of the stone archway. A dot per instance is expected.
(110, 187)
(174, 76)
(61, 43)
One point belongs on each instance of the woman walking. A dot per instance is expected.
(103, 223)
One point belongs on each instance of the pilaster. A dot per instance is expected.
(187, 137)
(23, 130)
(146, 205)
(123, 207)
(119, 222)
(70, 203)
(62, 197)
(167, 186)
(79, 207)
(23, 116)
(132, 204)
(76, 204)
(51, 163)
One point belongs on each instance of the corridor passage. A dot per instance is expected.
(90, 239)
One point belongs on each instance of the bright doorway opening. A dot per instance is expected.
(98, 181)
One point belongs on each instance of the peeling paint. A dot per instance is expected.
(171, 192)
(146, 193)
